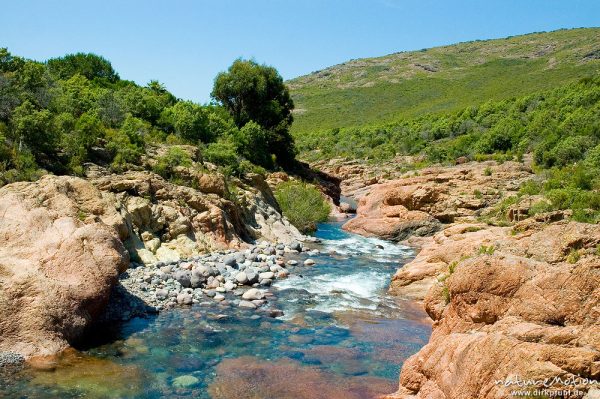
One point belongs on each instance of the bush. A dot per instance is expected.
(174, 157)
(302, 204)
(223, 153)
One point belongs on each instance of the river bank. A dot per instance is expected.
(513, 295)
(340, 336)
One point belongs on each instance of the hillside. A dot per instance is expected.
(442, 79)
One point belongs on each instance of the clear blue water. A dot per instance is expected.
(340, 336)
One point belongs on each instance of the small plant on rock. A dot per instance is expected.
(446, 295)
(486, 250)
(573, 256)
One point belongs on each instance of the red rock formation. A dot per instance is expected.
(529, 311)
(415, 205)
(508, 303)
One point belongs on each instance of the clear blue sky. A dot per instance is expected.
(185, 43)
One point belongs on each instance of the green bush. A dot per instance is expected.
(174, 157)
(302, 204)
(252, 142)
(223, 152)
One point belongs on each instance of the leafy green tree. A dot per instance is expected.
(110, 108)
(75, 95)
(32, 128)
(90, 65)
(9, 97)
(157, 87)
(33, 81)
(127, 144)
(145, 103)
(8, 62)
(87, 132)
(254, 92)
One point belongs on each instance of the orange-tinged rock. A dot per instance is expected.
(58, 261)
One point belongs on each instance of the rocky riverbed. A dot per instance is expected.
(237, 278)
(336, 332)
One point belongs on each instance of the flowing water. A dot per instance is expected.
(341, 336)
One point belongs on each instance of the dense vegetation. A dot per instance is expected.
(302, 204)
(439, 80)
(560, 127)
(56, 116)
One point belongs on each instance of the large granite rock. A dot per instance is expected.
(388, 212)
(526, 310)
(60, 253)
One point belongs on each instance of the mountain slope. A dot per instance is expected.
(379, 90)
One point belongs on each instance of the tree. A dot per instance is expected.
(127, 143)
(144, 103)
(8, 62)
(253, 92)
(87, 131)
(32, 127)
(75, 95)
(90, 65)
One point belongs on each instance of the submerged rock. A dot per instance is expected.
(252, 294)
(185, 381)
(250, 377)
(247, 304)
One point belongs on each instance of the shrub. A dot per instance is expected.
(251, 142)
(127, 144)
(573, 256)
(174, 157)
(446, 295)
(302, 204)
(223, 153)
(485, 250)
(530, 187)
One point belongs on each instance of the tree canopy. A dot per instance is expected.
(256, 93)
(57, 115)
(89, 65)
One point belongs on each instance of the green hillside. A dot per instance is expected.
(442, 79)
